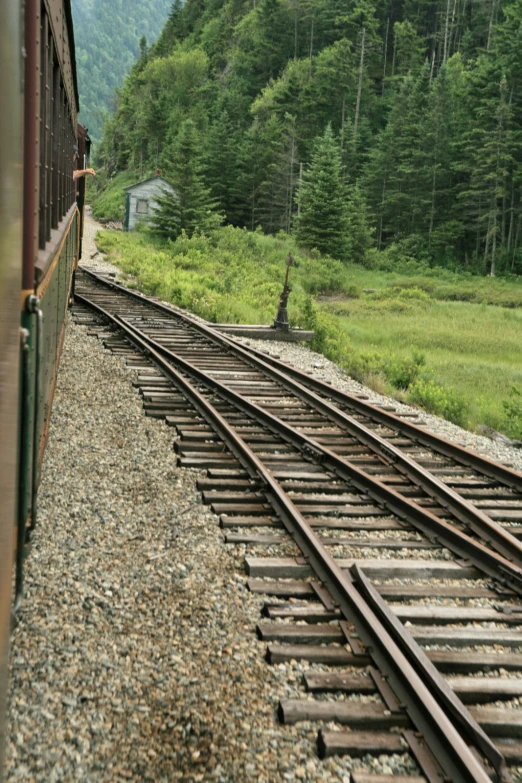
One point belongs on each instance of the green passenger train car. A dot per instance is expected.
(41, 217)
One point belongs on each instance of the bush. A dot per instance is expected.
(407, 294)
(325, 275)
(329, 338)
(513, 410)
(402, 373)
(408, 256)
(437, 399)
(109, 204)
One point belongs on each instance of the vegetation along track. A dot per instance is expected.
(360, 493)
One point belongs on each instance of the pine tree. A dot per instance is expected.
(490, 155)
(221, 166)
(166, 221)
(276, 201)
(423, 97)
(191, 207)
(322, 221)
(360, 231)
(443, 127)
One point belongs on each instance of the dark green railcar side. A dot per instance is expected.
(52, 228)
(11, 152)
(40, 240)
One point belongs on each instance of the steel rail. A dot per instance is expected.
(442, 737)
(430, 674)
(445, 447)
(488, 561)
(479, 522)
(466, 458)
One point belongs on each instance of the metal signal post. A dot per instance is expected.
(281, 319)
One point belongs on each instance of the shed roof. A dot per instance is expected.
(149, 179)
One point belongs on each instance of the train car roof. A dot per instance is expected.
(60, 18)
(70, 30)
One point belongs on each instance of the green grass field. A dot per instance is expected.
(473, 349)
(449, 343)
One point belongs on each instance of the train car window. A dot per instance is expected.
(57, 138)
(44, 118)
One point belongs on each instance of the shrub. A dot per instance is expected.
(329, 338)
(109, 204)
(364, 366)
(513, 411)
(437, 399)
(407, 294)
(402, 373)
(323, 275)
(408, 256)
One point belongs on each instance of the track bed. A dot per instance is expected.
(390, 559)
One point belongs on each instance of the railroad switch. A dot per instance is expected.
(281, 320)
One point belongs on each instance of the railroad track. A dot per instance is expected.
(365, 516)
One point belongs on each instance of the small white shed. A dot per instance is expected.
(141, 200)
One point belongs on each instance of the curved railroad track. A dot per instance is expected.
(363, 495)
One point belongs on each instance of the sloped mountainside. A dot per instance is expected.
(108, 35)
(404, 116)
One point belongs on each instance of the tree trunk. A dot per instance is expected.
(486, 249)
(300, 183)
(343, 116)
(379, 244)
(311, 44)
(253, 211)
(477, 237)
(394, 51)
(503, 218)
(291, 183)
(432, 210)
(295, 31)
(453, 30)
(359, 87)
(511, 214)
(496, 187)
(492, 18)
(385, 54)
(515, 244)
(446, 33)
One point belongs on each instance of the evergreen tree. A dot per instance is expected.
(360, 230)
(276, 202)
(409, 50)
(322, 221)
(190, 208)
(222, 166)
(423, 98)
(489, 150)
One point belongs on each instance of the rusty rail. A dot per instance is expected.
(417, 697)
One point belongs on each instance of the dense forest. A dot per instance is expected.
(107, 37)
(359, 125)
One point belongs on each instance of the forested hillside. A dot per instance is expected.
(107, 36)
(361, 125)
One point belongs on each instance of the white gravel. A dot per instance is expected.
(303, 358)
(135, 656)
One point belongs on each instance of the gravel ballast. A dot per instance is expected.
(135, 656)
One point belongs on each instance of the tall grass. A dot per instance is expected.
(419, 336)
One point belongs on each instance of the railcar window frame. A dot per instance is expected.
(57, 137)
